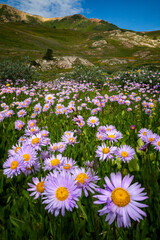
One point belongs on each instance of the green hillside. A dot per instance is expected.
(79, 22)
(96, 40)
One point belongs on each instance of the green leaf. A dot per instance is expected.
(82, 209)
(133, 164)
(26, 194)
(140, 142)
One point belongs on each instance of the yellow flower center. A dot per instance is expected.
(124, 154)
(37, 108)
(32, 124)
(59, 107)
(93, 121)
(62, 193)
(105, 150)
(67, 166)
(20, 125)
(55, 162)
(158, 143)
(111, 136)
(144, 133)
(17, 149)
(26, 157)
(120, 197)
(55, 147)
(151, 139)
(108, 129)
(22, 139)
(40, 187)
(35, 140)
(71, 139)
(49, 98)
(21, 113)
(81, 178)
(14, 165)
(32, 130)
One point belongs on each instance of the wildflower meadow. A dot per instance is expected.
(80, 158)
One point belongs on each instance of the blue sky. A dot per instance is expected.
(138, 15)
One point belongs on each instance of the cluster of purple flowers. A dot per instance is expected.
(148, 138)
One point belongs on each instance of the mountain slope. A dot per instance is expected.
(77, 21)
(76, 35)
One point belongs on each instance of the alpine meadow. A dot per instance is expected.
(80, 129)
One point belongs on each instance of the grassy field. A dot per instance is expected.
(61, 142)
(21, 39)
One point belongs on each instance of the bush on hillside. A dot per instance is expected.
(48, 55)
(16, 69)
(83, 73)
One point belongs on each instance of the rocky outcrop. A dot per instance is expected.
(99, 43)
(114, 61)
(131, 39)
(66, 62)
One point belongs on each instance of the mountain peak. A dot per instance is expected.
(75, 22)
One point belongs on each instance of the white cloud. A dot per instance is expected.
(48, 8)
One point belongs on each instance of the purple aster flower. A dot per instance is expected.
(1, 117)
(14, 150)
(125, 153)
(102, 129)
(46, 107)
(156, 143)
(133, 127)
(22, 139)
(113, 135)
(69, 138)
(101, 136)
(53, 162)
(44, 133)
(37, 188)
(9, 113)
(13, 166)
(104, 152)
(19, 124)
(94, 111)
(121, 200)
(60, 147)
(60, 193)
(31, 131)
(21, 113)
(33, 115)
(31, 123)
(110, 128)
(79, 118)
(69, 164)
(36, 141)
(85, 180)
(37, 108)
(142, 133)
(150, 137)
(28, 154)
(93, 121)
(49, 98)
